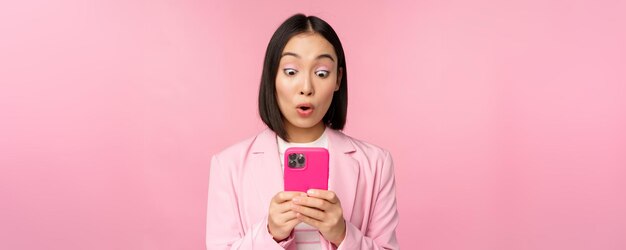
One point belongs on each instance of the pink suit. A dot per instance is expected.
(244, 178)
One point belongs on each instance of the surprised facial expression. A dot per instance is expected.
(307, 78)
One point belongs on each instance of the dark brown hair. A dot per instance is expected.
(269, 111)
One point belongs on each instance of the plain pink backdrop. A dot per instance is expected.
(506, 119)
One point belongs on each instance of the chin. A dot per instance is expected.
(299, 123)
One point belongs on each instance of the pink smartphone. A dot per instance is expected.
(306, 168)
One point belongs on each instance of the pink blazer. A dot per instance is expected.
(244, 178)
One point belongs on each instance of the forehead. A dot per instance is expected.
(309, 45)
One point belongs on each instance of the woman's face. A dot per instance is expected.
(306, 80)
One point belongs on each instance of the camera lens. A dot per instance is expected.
(301, 159)
(292, 164)
(292, 157)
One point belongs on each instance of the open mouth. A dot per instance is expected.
(305, 109)
(304, 106)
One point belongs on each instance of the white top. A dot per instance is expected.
(306, 236)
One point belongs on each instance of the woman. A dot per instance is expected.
(303, 101)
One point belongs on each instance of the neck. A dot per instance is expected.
(304, 135)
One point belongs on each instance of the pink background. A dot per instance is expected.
(506, 119)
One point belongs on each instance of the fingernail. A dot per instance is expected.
(311, 191)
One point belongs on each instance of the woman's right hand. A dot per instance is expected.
(281, 220)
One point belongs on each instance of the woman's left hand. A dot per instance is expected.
(322, 210)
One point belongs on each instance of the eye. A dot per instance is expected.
(322, 73)
(290, 72)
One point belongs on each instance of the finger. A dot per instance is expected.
(308, 220)
(279, 208)
(285, 206)
(287, 216)
(292, 223)
(311, 202)
(310, 212)
(281, 197)
(328, 195)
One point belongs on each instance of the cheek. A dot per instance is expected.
(328, 89)
(283, 90)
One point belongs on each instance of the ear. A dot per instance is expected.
(339, 76)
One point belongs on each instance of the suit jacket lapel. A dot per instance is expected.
(265, 165)
(343, 170)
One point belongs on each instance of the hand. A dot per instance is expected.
(281, 220)
(322, 210)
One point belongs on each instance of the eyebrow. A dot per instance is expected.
(298, 56)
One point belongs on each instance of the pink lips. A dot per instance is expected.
(305, 109)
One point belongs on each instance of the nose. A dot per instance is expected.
(307, 87)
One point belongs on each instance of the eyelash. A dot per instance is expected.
(288, 70)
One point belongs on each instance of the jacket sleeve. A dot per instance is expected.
(224, 229)
(381, 231)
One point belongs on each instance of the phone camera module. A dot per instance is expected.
(296, 160)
